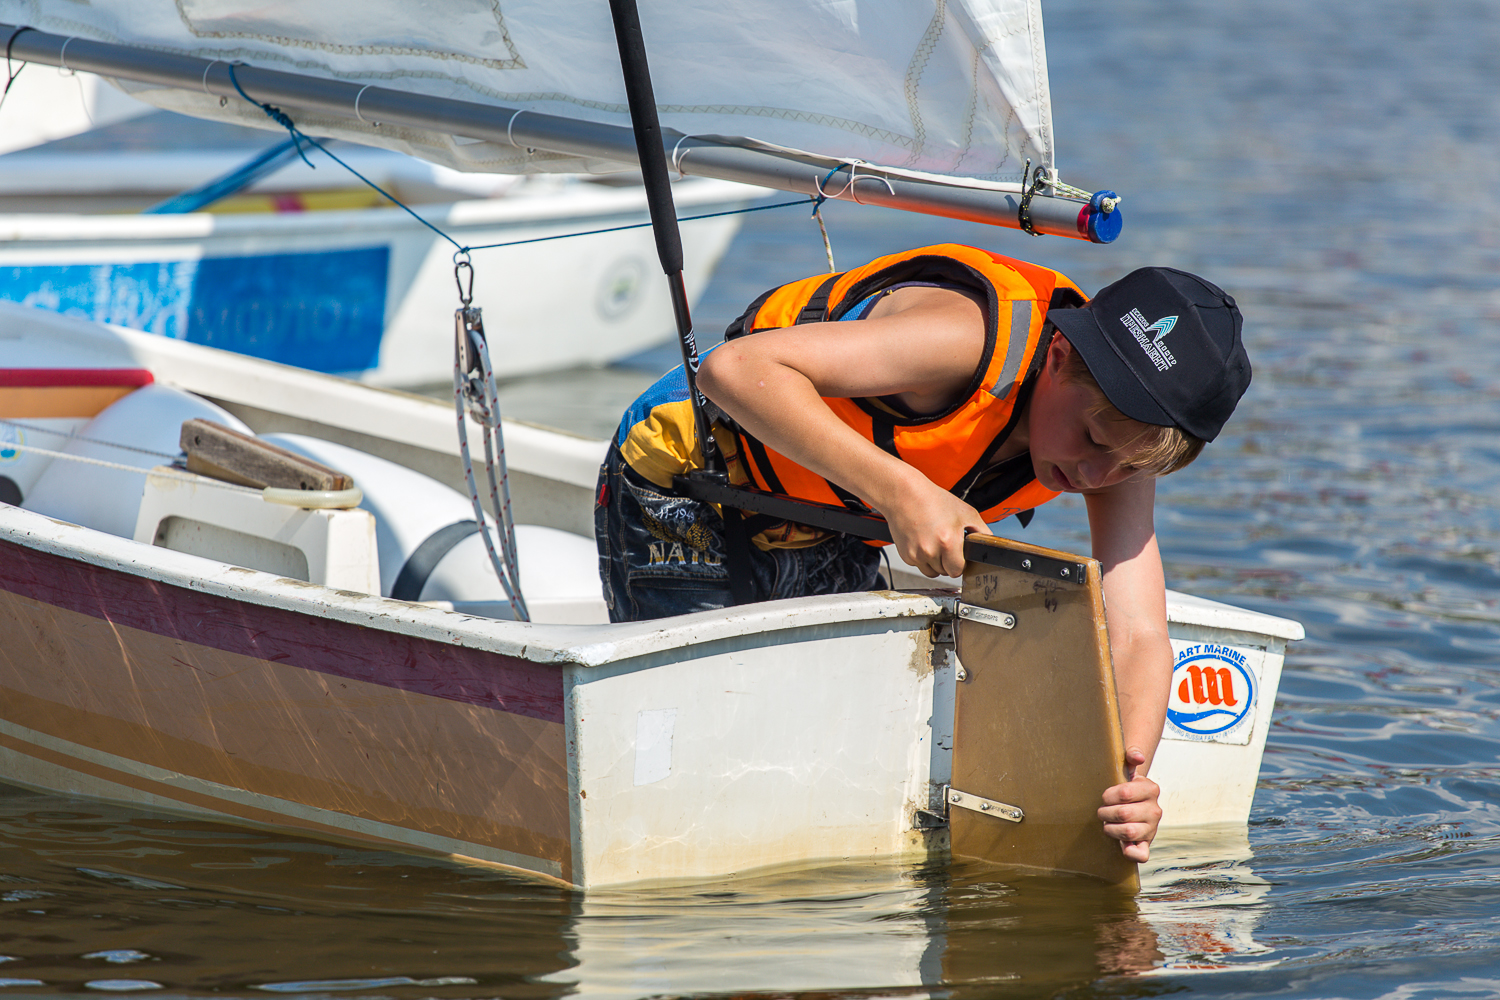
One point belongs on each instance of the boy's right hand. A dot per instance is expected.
(929, 524)
(1131, 812)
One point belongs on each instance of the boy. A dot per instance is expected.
(942, 388)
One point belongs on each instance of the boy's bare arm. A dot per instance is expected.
(1124, 542)
(772, 383)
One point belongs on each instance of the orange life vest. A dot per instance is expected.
(954, 448)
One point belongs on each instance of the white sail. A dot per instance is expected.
(956, 87)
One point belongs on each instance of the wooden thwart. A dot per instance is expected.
(1036, 724)
(219, 452)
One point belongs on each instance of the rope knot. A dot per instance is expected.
(276, 115)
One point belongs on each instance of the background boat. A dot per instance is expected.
(312, 267)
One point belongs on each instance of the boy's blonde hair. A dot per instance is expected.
(1161, 450)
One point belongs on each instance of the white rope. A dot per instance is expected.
(1069, 191)
(1066, 190)
(71, 436)
(508, 125)
(854, 176)
(854, 192)
(356, 106)
(62, 57)
(474, 395)
(677, 158)
(828, 246)
(204, 81)
(818, 182)
(166, 474)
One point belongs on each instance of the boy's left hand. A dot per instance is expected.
(1130, 813)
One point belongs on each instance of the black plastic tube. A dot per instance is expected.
(653, 160)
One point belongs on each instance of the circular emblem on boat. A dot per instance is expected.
(620, 288)
(10, 436)
(1213, 691)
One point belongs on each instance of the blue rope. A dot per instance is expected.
(237, 180)
(637, 225)
(820, 197)
(298, 136)
(11, 74)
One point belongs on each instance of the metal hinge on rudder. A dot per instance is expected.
(936, 818)
(989, 807)
(986, 616)
(968, 800)
(981, 616)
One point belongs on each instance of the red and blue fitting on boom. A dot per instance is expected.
(1098, 223)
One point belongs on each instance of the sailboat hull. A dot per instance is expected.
(778, 733)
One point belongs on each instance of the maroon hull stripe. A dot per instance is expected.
(131, 378)
(423, 666)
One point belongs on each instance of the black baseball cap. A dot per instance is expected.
(1165, 347)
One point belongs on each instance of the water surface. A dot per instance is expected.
(1332, 166)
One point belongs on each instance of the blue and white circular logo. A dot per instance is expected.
(11, 436)
(1213, 690)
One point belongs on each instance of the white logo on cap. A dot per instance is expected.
(1152, 345)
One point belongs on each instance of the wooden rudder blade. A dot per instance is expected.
(1036, 722)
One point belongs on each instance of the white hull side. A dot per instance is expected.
(807, 744)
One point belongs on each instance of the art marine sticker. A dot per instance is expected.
(1214, 692)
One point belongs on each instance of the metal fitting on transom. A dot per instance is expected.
(987, 616)
(989, 807)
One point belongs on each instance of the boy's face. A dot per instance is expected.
(1072, 450)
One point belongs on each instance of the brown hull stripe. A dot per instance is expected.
(424, 666)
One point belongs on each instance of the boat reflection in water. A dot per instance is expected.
(962, 925)
(97, 892)
(1203, 901)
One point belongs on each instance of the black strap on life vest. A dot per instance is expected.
(814, 311)
(755, 452)
(848, 499)
(738, 327)
(752, 449)
(984, 467)
(883, 433)
(1005, 480)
